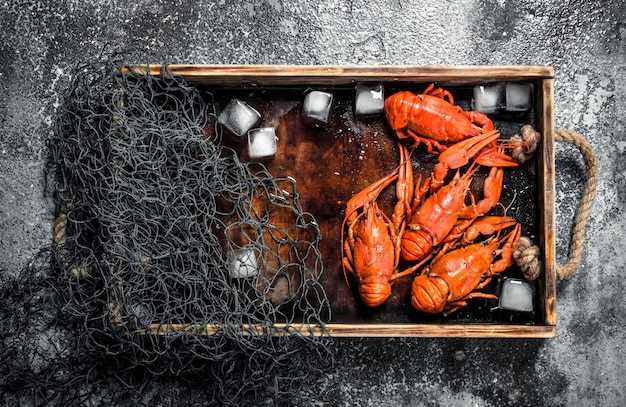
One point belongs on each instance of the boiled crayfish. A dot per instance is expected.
(432, 118)
(371, 250)
(456, 276)
(429, 223)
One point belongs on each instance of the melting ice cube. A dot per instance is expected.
(516, 295)
(518, 97)
(369, 100)
(239, 117)
(316, 107)
(488, 98)
(242, 263)
(140, 315)
(262, 143)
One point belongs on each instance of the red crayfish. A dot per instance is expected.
(371, 250)
(457, 276)
(432, 118)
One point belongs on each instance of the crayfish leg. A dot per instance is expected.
(444, 249)
(481, 120)
(404, 188)
(457, 305)
(395, 238)
(506, 255)
(439, 92)
(411, 269)
(421, 188)
(430, 144)
(487, 225)
(428, 89)
(454, 307)
(478, 294)
(492, 189)
(484, 283)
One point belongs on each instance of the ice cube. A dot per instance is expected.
(242, 263)
(280, 291)
(316, 107)
(369, 100)
(518, 97)
(239, 117)
(516, 295)
(140, 315)
(488, 98)
(262, 143)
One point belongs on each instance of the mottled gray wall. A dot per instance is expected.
(584, 40)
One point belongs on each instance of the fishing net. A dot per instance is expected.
(162, 236)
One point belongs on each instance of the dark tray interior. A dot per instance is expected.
(332, 163)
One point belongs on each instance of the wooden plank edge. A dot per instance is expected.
(548, 201)
(370, 330)
(392, 72)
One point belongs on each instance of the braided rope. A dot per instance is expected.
(568, 269)
(527, 255)
(525, 143)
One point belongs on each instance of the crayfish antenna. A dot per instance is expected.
(471, 170)
(368, 194)
(345, 275)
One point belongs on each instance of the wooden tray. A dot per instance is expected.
(333, 163)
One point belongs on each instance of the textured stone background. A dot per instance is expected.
(584, 40)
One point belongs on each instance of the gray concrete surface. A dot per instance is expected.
(584, 40)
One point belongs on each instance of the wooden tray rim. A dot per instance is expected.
(352, 72)
(369, 330)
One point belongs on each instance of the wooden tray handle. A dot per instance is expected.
(567, 270)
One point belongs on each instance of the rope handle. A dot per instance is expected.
(527, 254)
(567, 270)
